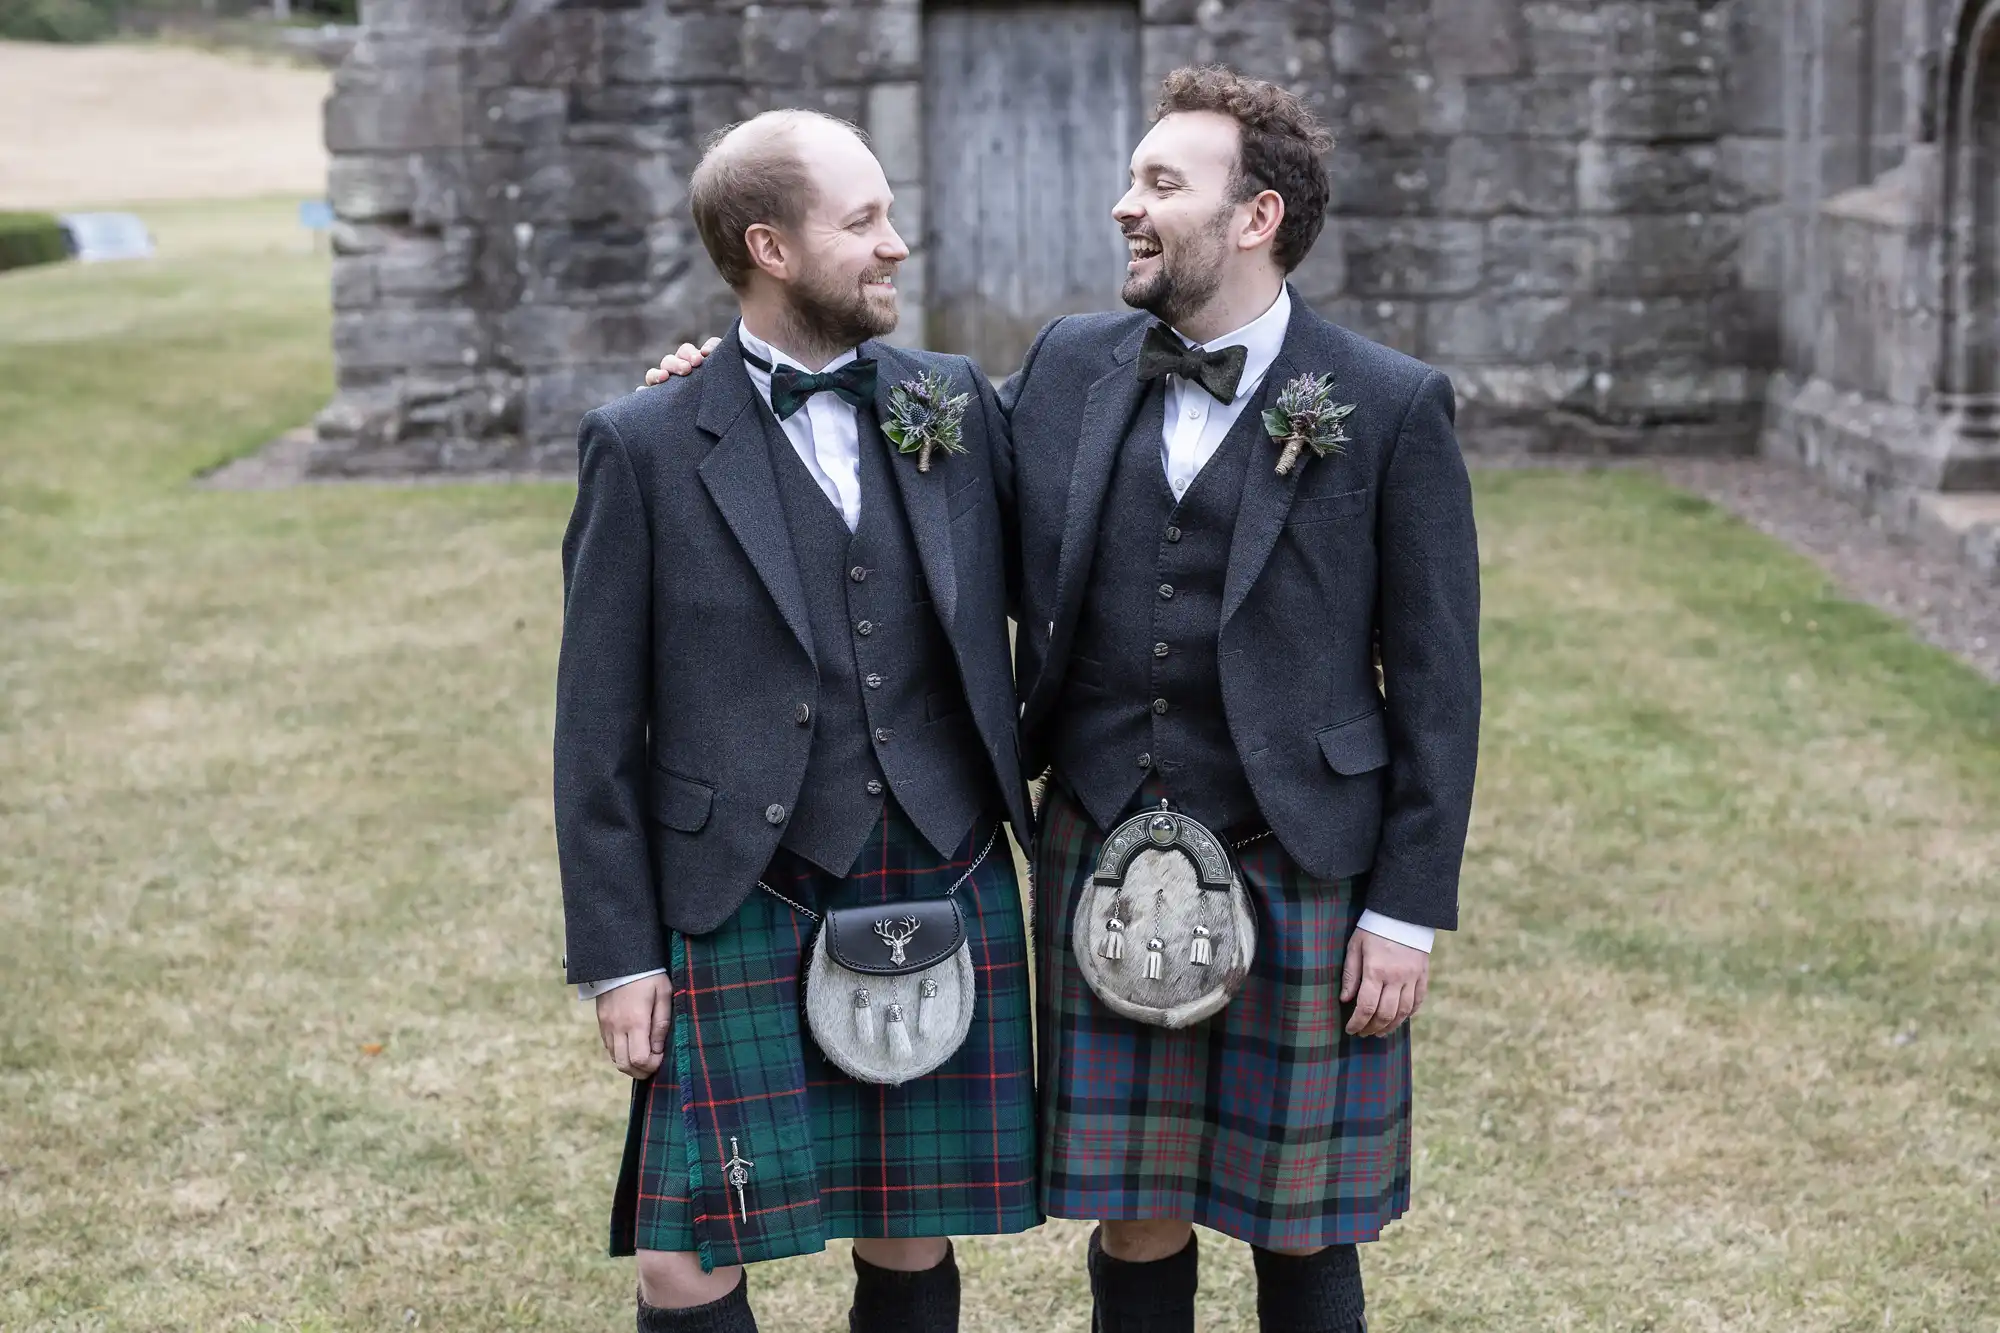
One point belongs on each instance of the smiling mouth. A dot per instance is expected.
(1142, 248)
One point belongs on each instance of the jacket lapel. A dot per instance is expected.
(1267, 497)
(1107, 415)
(737, 473)
(925, 503)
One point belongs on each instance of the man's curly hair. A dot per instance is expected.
(1284, 147)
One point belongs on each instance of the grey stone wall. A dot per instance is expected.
(1620, 225)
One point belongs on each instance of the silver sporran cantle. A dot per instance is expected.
(1164, 933)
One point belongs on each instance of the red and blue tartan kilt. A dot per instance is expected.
(1267, 1123)
(949, 1154)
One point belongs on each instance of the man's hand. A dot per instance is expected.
(633, 1021)
(1385, 980)
(681, 362)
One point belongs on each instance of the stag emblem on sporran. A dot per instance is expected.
(1168, 883)
(897, 934)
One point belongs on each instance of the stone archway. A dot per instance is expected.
(1972, 213)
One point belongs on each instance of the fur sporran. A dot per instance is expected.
(1164, 933)
(889, 988)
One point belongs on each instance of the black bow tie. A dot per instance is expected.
(1218, 372)
(791, 387)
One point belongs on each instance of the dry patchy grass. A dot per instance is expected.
(1716, 1048)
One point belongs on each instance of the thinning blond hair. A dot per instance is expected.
(750, 173)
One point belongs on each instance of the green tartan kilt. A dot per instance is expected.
(950, 1154)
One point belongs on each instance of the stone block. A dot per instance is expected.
(1477, 37)
(368, 187)
(1567, 36)
(1376, 39)
(895, 125)
(353, 282)
(542, 48)
(1753, 77)
(1676, 254)
(574, 264)
(426, 267)
(384, 339)
(1322, 275)
(538, 337)
(650, 47)
(652, 105)
(1397, 105)
(780, 45)
(1390, 177)
(595, 185)
(1541, 256)
(1552, 107)
(395, 101)
(1656, 107)
(1397, 324)
(1487, 176)
(519, 117)
(1413, 257)
(1648, 178)
(555, 399)
(1750, 171)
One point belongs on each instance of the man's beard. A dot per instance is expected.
(1189, 275)
(830, 313)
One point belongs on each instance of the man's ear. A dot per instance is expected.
(1267, 213)
(769, 250)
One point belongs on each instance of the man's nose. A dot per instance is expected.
(893, 248)
(1127, 209)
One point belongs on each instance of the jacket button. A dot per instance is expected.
(803, 714)
(857, 573)
(1160, 650)
(874, 787)
(774, 814)
(873, 681)
(1159, 705)
(1166, 592)
(865, 628)
(1173, 534)
(883, 735)
(1145, 761)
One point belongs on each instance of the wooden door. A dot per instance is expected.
(1031, 112)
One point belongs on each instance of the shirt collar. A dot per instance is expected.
(1262, 338)
(777, 356)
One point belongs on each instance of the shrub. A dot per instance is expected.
(58, 20)
(31, 238)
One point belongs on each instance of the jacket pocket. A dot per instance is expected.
(1326, 508)
(681, 803)
(1358, 745)
(964, 500)
(943, 704)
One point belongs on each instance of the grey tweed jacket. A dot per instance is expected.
(687, 654)
(1373, 543)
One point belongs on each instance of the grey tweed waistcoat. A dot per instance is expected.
(1143, 699)
(891, 716)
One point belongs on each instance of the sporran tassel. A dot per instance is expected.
(899, 1033)
(864, 1017)
(1202, 952)
(1154, 949)
(925, 994)
(1114, 940)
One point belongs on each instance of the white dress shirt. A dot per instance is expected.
(826, 434)
(1194, 428)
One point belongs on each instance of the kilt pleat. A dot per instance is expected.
(1267, 1123)
(952, 1153)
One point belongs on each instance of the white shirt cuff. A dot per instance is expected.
(590, 990)
(1402, 932)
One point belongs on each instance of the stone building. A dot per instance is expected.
(1620, 225)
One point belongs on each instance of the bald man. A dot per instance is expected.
(785, 690)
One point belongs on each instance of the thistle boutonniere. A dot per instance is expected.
(926, 418)
(1306, 417)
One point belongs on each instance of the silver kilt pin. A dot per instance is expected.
(1167, 884)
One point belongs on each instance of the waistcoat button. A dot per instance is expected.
(1166, 592)
(857, 573)
(774, 814)
(883, 735)
(874, 787)
(865, 628)
(803, 714)
(1173, 534)
(873, 681)
(1160, 650)
(1159, 705)
(1145, 761)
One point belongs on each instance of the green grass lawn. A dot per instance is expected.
(283, 1039)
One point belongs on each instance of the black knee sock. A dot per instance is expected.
(1314, 1293)
(888, 1301)
(1149, 1297)
(726, 1314)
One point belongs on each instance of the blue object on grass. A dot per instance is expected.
(315, 214)
(100, 236)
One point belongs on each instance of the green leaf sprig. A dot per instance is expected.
(1306, 417)
(926, 418)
